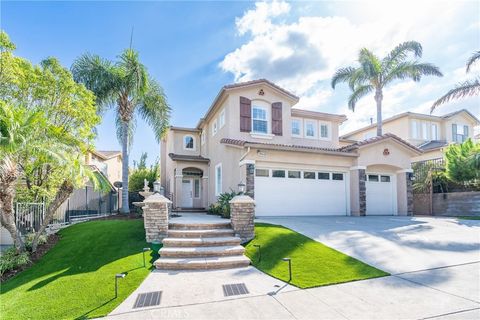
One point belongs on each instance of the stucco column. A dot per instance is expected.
(155, 216)
(404, 193)
(358, 191)
(242, 214)
(205, 192)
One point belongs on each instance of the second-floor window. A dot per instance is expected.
(214, 127)
(259, 120)
(434, 132)
(188, 143)
(203, 136)
(324, 131)
(221, 119)
(296, 128)
(459, 133)
(310, 129)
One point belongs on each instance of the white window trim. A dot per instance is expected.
(414, 130)
(267, 118)
(214, 127)
(329, 131)
(424, 130)
(315, 129)
(434, 131)
(218, 188)
(221, 119)
(300, 135)
(194, 143)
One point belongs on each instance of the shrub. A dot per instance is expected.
(224, 203)
(10, 260)
(137, 177)
(214, 209)
(29, 240)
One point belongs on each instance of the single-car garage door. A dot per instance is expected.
(381, 199)
(300, 192)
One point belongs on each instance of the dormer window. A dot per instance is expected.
(310, 129)
(259, 120)
(188, 142)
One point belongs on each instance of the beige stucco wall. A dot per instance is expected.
(459, 119)
(372, 154)
(434, 154)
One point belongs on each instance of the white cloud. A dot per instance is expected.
(303, 54)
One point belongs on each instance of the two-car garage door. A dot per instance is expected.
(300, 192)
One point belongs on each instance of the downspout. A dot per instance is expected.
(245, 154)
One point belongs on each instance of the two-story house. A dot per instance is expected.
(290, 159)
(109, 163)
(429, 133)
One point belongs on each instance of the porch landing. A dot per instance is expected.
(197, 217)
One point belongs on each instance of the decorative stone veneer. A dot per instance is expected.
(362, 192)
(242, 214)
(250, 180)
(409, 194)
(155, 215)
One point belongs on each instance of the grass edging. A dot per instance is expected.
(313, 263)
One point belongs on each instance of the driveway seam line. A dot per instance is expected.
(284, 307)
(439, 290)
(449, 313)
(437, 268)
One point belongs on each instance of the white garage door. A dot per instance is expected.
(300, 192)
(381, 199)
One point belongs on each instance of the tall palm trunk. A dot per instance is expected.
(378, 100)
(63, 193)
(125, 208)
(8, 178)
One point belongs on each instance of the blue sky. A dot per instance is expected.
(194, 48)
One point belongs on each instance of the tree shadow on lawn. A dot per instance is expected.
(85, 248)
(313, 264)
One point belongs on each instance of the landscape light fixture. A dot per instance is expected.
(241, 187)
(118, 276)
(143, 252)
(259, 252)
(289, 268)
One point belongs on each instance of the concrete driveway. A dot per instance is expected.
(394, 244)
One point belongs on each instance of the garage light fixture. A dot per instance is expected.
(241, 187)
(289, 268)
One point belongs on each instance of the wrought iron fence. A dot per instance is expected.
(29, 216)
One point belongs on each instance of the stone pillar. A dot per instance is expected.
(155, 216)
(409, 193)
(358, 195)
(242, 214)
(250, 180)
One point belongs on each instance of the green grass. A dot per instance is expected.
(75, 279)
(313, 264)
(468, 217)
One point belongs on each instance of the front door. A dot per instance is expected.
(187, 199)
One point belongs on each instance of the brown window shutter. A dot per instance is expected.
(277, 118)
(245, 115)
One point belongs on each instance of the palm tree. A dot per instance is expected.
(374, 74)
(126, 86)
(466, 89)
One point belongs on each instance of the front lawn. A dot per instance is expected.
(75, 279)
(313, 264)
(468, 217)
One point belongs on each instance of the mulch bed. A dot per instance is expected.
(34, 257)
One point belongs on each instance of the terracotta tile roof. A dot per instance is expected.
(245, 143)
(385, 136)
(185, 157)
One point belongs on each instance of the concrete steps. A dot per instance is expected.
(201, 246)
(202, 263)
(199, 233)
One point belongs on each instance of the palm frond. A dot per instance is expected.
(357, 94)
(371, 65)
(411, 70)
(472, 60)
(465, 89)
(155, 110)
(99, 76)
(400, 52)
(134, 73)
(342, 75)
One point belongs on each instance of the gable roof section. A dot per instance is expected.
(246, 84)
(414, 114)
(340, 118)
(386, 136)
(432, 145)
(184, 157)
(287, 147)
(105, 155)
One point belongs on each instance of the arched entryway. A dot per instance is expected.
(191, 188)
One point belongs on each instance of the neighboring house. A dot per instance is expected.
(429, 133)
(107, 162)
(289, 158)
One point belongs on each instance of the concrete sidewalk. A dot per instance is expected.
(444, 293)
